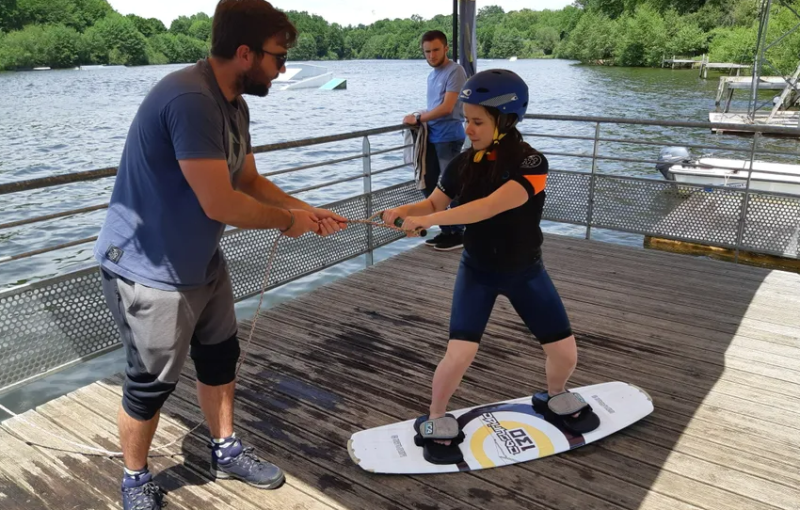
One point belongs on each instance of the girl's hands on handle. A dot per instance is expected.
(395, 217)
(418, 224)
(390, 216)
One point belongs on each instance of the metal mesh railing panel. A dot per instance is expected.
(567, 197)
(667, 209)
(773, 225)
(56, 322)
(51, 325)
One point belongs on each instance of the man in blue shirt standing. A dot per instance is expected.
(187, 171)
(445, 122)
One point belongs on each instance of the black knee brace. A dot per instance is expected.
(143, 395)
(216, 364)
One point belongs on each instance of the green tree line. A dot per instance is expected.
(66, 33)
(642, 32)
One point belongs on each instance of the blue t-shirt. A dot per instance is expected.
(448, 78)
(155, 232)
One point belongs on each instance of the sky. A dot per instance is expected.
(344, 12)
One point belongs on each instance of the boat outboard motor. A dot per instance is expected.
(670, 156)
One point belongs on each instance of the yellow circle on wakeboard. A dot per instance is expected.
(543, 443)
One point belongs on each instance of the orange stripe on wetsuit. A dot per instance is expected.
(537, 181)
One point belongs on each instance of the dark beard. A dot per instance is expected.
(250, 83)
(438, 64)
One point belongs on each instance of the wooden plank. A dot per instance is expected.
(485, 374)
(566, 481)
(649, 311)
(615, 302)
(348, 376)
(96, 431)
(305, 457)
(190, 456)
(262, 392)
(600, 366)
(489, 346)
(660, 261)
(780, 283)
(638, 274)
(709, 473)
(12, 496)
(696, 444)
(784, 335)
(620, 274)
(434, 310)
(783, 118)
(89, 415)
(714, 305)
(58, 479)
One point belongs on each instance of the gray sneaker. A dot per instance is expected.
(141, 493)
(247, 467)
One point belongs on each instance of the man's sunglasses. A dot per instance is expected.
(280, 58)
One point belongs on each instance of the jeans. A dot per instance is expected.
(437, 158)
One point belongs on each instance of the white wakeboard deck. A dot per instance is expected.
(500, 434)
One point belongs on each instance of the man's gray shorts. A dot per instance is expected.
(159, 328)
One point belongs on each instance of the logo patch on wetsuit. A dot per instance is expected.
(532, 161)
(114, 254)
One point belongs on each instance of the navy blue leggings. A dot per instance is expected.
(530, 291)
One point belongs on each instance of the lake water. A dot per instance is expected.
(69, 121)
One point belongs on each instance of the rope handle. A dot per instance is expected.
(398, 225)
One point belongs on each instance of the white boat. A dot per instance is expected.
(676, 164)
(302, 76)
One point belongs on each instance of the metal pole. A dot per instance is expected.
(455, 30)
(367, 161)
(590, 205)
(746, 202)
(760, 56)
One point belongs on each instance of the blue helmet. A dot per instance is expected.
(498, 88)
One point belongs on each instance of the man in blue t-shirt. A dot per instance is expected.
(187, 171)
(445, 122)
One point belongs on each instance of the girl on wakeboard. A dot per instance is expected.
(500, 184)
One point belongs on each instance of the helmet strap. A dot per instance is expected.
(495, 141)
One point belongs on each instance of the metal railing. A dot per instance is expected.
(741, 219)
(54, 323)
(57, 322)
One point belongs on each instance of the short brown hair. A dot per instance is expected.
(433, 35)
(249, 23)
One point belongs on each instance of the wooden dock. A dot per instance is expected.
(704, 65)
(778, 116)
(727, 84)
(679, 62)
(783, 118)
(716, 345)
